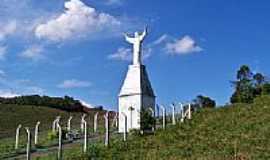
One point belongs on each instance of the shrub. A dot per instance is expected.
(135, 132)
(147, 120)
(94, 151)
(51, 135)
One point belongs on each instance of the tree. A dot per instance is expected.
(67, 103)
(244, 73)
(259, 79)
(147, 119)
(204, 102)
(258, 82)
(244, 91)
(249, 86)
(266, 89)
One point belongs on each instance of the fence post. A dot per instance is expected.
(60, 149)
(153, 115)
(36, 132)
(85, 137)
(69, 124)
(82, 124)
(28, 147)
(54, 126)
(95, 122)
(17, 136)
(163, 116)
(107, 136)
(115, 120)
(189, 111)
(182, 112)
(173, 114)
(125, 126)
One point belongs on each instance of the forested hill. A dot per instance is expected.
(65, 103)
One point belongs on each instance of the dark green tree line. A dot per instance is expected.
(249, 85)
(204, 102)
(64, 103)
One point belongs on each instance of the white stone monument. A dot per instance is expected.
(136, 92)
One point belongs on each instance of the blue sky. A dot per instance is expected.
(76, 47)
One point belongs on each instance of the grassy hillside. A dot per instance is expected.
(13, 115)
(236, 132)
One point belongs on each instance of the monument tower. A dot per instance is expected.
(136, 92)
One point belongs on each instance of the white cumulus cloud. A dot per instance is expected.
(160, 40)
(73, 83)
(114, 2)
(8, 94)
(7, 29)
(34, 52)
(29, 90)
(86, 104)
(125, 54)
(184, 45)
(122, 53)
(78, 20)
(34, 90)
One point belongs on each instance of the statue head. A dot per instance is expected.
(136, 34)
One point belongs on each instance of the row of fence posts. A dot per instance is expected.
(18, 134)
(56, 127)
(185, 113)
(29, 139)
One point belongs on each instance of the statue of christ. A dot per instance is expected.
(137, 43)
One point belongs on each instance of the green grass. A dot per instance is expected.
(13, 115)
(237, 132)
(229, 133)
(223, 133)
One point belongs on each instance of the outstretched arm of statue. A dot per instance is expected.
(143, 34)
(129, 39)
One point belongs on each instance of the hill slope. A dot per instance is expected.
(236, 132)
(12, 115)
